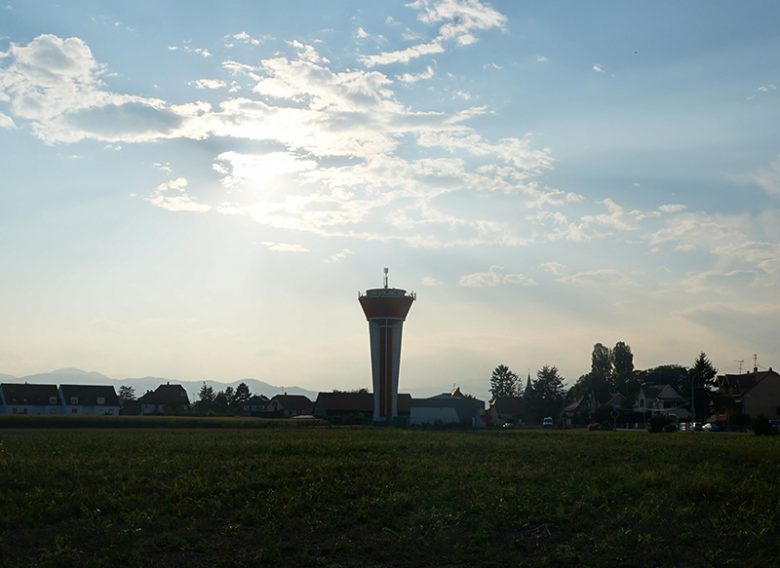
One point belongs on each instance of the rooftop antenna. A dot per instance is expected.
(741, 362)
(386, 277)
(755, 362)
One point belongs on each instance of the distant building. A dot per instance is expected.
(30, 399)
(354, 407)
(506, 409)
(753, 394)
(165, 399)
(289, 405)
(90, 400)
(256, 405)
(448, 408)
(664, 400)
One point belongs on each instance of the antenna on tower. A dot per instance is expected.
(755, 362)
(741, 362)
(386, 271)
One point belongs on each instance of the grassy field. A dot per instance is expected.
(382, 497)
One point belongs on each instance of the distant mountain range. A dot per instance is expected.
(143, 384)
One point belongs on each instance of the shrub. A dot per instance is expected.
(761, 426)
(656, 423)
(670, 427)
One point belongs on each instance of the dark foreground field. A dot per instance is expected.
(380, 497)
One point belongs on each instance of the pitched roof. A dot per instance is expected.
(345, 402)
(294, 402)
(355, 402)
(744, 382)
(256, 399)
(657, 391)
(88, 395)
(173, 395)
(33, 395)
(465, 407)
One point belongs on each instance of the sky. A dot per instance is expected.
(201, 190)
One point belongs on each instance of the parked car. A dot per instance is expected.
(712, 427)
(547, 422)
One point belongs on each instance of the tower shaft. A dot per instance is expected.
(385, 309)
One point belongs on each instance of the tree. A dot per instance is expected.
(623, 370)
(503, 382)
(126, 393)
(703, 373)
(701, 377)
(205, 399)
(206, 394)
(242, 395)
(601, 363)
(548, 392)
(675, 375)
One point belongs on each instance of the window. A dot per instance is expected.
(52, 400)
(101, 400)
(74, 400)
(74, 410)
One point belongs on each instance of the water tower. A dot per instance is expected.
(385, 310)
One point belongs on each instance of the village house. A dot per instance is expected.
(589, 407)
(753, 394)
(289, 405)
(29, 399)
(165, 399)
(663, 400)
(89, 399)
(448, 408)
(256, 405)
(505, 410)
(354, 407)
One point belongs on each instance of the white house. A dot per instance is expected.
(447, 408)
(91, 400)
(29, 399)
(662, 399)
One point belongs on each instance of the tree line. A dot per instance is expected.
(611, 371)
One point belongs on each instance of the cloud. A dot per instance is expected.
(672, 208)
(598, 68)
(331, 163)
(6, 121)
(338, 257)
(172, 195)
(284, 247)
(210, 84)
(768, 178)
(494, 277)
(554, 268)
(57, 85)
(492, 67)
(360, 33)
(762, 90)
(598, 277)
(409, 78)
(430, 281)
(258, 169)
(459, 20)
(186, 47)
(241, 37)
(542, 59)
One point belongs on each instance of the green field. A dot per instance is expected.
(382, 497)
